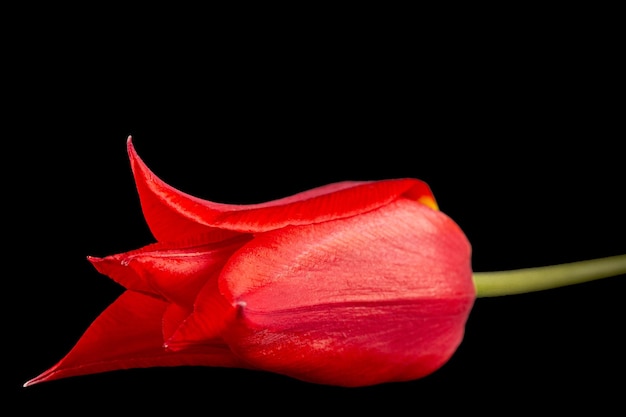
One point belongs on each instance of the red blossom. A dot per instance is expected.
(350, 284)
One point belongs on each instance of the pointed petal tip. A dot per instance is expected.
(36, 380)
(94, 260)
(130, 148)
(136, 163)
(100, 264)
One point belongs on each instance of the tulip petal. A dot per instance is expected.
(173, 316)
(353, 345)
(171, 213)
(401, 251)
(380, 297)
(211, 315)
(172, 272)
(128, 335)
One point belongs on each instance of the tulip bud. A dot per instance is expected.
(349, 284)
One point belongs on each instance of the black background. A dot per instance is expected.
(516, 133)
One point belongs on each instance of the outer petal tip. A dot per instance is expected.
(43, 377)
(130, 148)
(99, 263)
(31, 382)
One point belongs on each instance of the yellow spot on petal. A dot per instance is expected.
(428, 201)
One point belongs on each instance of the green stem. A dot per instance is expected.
(519, 281)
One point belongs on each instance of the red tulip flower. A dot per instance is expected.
(350, 284)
